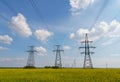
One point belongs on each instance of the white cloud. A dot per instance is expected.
(42, 34)
(103, 29)
(19, 25)
(108, 42)
(67, 47)
(113, 33)
(94, 34)
(114, 55)
(72, 35)
(41, 51)
(78, 5)
(5, 39)
(3, 48)
(11, 59)
(5, 59)
(12, 62)
(19, 59)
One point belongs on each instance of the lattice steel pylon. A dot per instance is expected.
(58, 51)
(87, 52)
(30, 61)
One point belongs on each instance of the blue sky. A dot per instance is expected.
(45, 23)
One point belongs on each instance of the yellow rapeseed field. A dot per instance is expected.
(59, 75)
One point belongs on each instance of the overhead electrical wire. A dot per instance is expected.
(11, 9)
(8, 6)
(97, 17)
(4, 18)
(39, 14)
(34, 5)
(99, 14)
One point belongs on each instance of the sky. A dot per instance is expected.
(46, 23)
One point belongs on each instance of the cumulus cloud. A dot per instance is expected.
(72, 35)
(41, 51)
(103, 29)
(3, 48)
(5, 39)
(42, 34)
(19, 25)
(78, 5)
(66, 47)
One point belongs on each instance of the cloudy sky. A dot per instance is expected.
(46, 23)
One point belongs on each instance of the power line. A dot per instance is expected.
(8, 5)
(4, 18)
(11, 9)
(34, 6)
(97, 17)
(99, 14)
(39, 14)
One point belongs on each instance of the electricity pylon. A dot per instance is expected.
(87, 52)
(30, 61)
(58, 51)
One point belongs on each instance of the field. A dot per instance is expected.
(59, 75)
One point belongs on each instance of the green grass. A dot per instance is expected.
(59, 75)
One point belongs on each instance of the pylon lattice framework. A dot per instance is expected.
(58, 51)
(30, 61)
(87, 52)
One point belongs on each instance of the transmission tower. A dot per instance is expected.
(74, 63)
(87, 52)
(58, 51)
(30, 61)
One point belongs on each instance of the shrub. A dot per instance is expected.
(29, 67)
